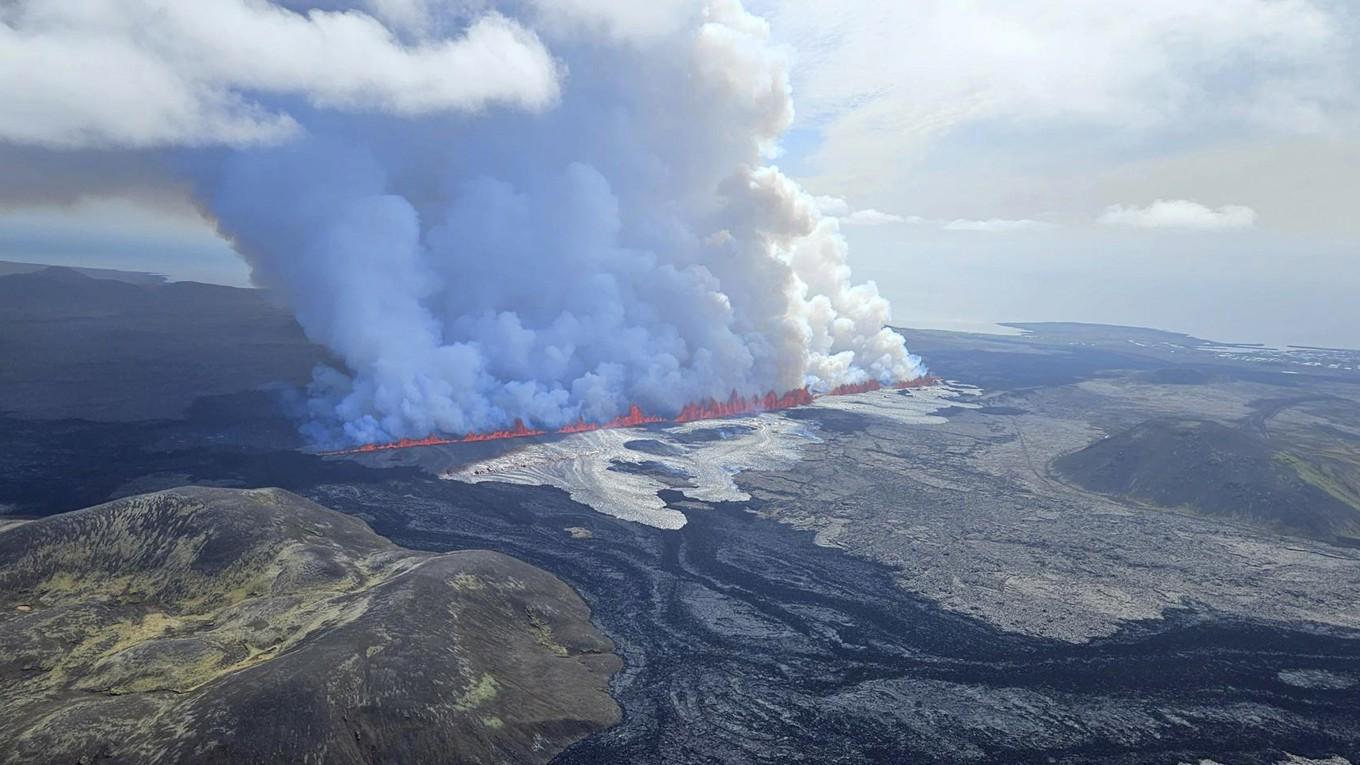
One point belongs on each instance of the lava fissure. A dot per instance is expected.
(710, 409)
(633, 419)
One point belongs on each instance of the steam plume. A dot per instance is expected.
(557, 262)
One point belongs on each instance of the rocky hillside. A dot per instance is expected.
(214, 625)
(1212, 468)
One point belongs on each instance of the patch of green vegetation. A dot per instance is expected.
(122, 622)
(106, 641)
(544, 635)
(481, 693)
(177, 677)
(1319, 476)
(235, 614)
(466, 582)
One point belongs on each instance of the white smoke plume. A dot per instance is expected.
(477, 253)
(626, 245)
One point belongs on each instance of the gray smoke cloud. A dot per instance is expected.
(542, 211)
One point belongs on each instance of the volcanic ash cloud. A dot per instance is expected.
(552, 260)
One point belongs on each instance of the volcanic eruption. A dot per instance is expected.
(734, 406)
(609, 249)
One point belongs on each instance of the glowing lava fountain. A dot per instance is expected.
(701, 410)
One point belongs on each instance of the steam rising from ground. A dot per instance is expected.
(524, 210)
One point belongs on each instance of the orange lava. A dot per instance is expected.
(518, 431)
(849, 388)
(921, 382)
(735, 404)
(873, 385)
(404, 443)
(635, 417)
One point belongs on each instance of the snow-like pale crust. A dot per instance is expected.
(579, 464)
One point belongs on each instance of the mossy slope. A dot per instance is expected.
(218, 625)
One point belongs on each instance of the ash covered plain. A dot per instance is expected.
(1007, 570)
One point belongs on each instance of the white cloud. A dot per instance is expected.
(997, 225)
(1180, 213)
(620, 19)
(147, 73)
(835, 207)
(891, 80)
(871, 217)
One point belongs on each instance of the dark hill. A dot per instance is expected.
(57, 292)
(1214, 469)
(100, 349)
(226, 626)
(8, 267)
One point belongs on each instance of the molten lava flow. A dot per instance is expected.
(633, 419)
(920, 382)
(849, 388)
(702, 410)
(736, 404)
(518, 431)
(872, 385)
(404, 443)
